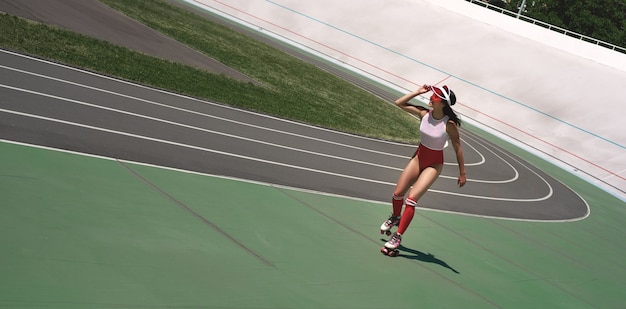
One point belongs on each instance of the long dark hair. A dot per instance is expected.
(447, 109)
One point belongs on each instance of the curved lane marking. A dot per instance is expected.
(299, 189)
(236, 136)
(515, 171)
(221, 118)
(262, 160)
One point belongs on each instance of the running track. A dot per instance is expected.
(60, 107)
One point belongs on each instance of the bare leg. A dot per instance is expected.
(424, 181)
(407, 178)
(409, 175)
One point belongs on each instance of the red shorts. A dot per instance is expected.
(428, 157)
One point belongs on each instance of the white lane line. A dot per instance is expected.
(197, 128)
(226, 119)
(230, 135)
(245, 124)
(294, 188)
(515, 171)
(482, 158)
(208, 103)
(264, 161)
(547, 196)
(187, 146)
(234, 121)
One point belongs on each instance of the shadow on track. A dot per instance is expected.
(421, 256)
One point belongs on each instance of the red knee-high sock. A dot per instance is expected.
(397, 203)
(407, 216)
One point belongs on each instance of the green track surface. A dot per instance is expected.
(86, 232)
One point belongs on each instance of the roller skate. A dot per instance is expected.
(385, 228)
(391, 247)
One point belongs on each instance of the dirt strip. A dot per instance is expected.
(95, 19)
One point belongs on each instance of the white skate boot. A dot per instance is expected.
(391, 247)
(385, 228)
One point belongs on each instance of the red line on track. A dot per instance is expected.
(417, 84)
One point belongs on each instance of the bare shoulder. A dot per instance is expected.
(452, 128)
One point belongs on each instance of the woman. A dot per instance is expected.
(437, 125)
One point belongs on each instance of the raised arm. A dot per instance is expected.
(403, 102)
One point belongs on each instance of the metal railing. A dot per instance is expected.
(550, 27)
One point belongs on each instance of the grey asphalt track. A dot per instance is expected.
(84, 114)
(60, 107)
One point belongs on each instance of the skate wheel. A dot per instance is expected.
(388, 232)
(389, 252)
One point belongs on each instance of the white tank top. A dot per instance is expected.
(433, 132)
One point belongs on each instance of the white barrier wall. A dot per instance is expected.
(553, 93)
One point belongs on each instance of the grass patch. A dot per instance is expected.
(293, 89)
